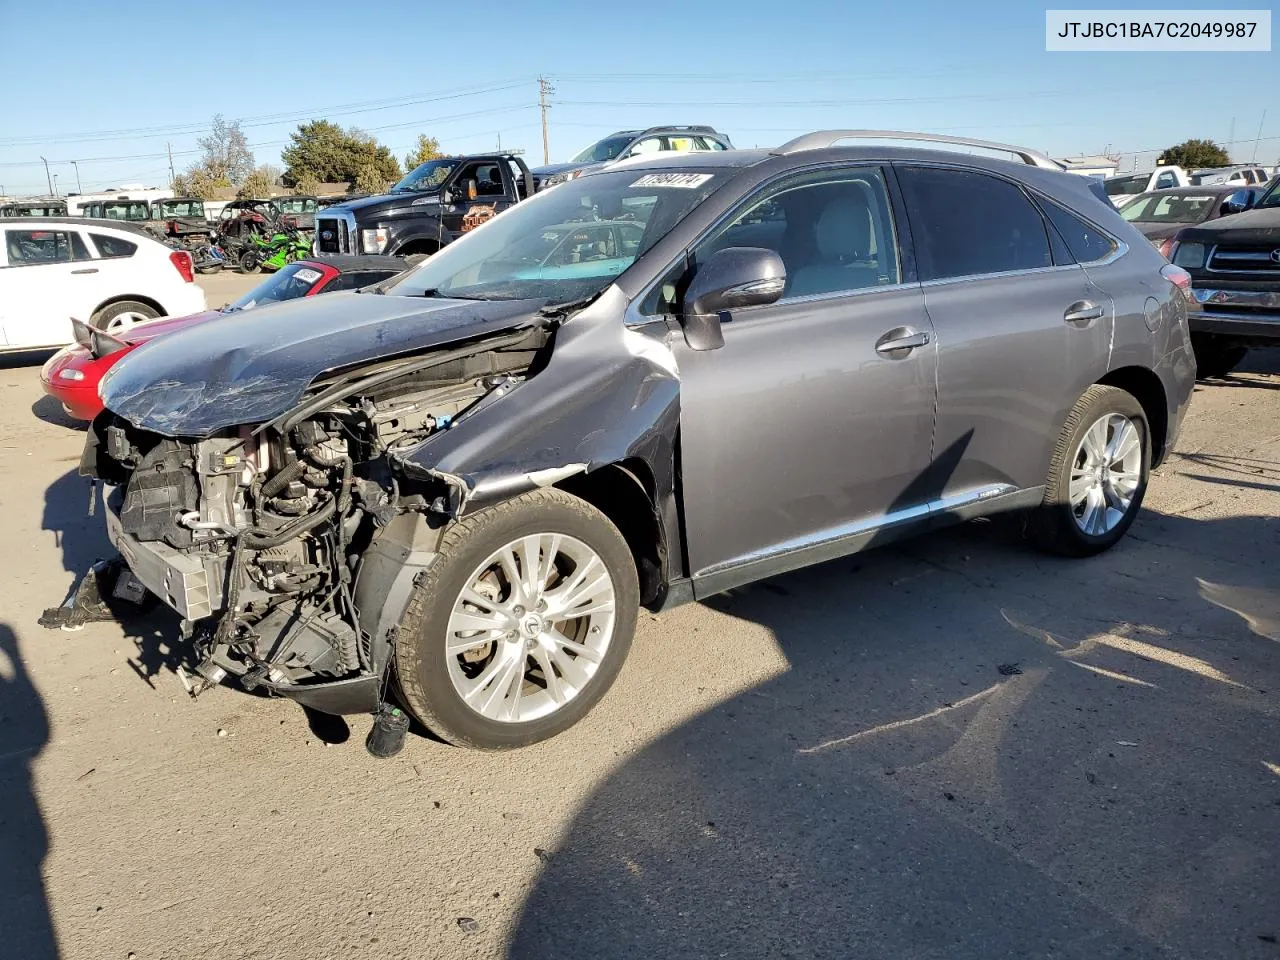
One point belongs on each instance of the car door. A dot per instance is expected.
(1021, 328)
(807, 430)
(50, 278)
(466, 210)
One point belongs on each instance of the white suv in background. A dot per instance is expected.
(110, 275)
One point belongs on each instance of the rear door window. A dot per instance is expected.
(967, 224)
(31, 247)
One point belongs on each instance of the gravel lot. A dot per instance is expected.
(951, 748)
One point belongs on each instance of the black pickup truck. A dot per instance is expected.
(1234, 264)
(432, 206)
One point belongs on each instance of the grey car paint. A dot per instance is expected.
(795, 441)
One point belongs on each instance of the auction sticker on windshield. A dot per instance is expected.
(685, 181)
(307, 275)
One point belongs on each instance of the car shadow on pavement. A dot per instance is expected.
(976, 751)
(50, 411)
(25, 922)
(83, 541)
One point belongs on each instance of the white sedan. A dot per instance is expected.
(110, 275)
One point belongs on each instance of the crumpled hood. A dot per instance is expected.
(1252, 226)
(250, 367)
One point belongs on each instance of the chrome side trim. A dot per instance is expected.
(1262, 299)
(867, 525)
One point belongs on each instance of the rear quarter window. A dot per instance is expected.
(1086, 242)
(113, 247)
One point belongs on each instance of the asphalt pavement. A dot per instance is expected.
(954, 747)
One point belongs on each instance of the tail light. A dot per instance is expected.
(1166, 247)
(181, 261)
(1182, 280)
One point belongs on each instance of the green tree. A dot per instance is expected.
(370, 179)
(1194, 154)
(258, 185)
(307, 186)
(326, 152)
(427, 148)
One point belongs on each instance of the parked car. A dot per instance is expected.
(1243, 175)
(432, 206)
(106, 273)
(33, 208)
(1162, 213)
(1122, 189)
(626, 144)
(1234, 264)
(301, 209)
(475, 474)
(71, 375)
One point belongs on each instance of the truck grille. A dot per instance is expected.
(332, 236)
(1246, 259)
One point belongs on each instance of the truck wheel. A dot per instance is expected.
(1097, 475)
(520, 625)
(1215, 357)
(122, 315)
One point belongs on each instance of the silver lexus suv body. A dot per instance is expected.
(645, 385)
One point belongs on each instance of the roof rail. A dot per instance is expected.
(826, 138)
(681, 129)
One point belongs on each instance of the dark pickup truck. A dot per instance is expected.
(432, 206)
(1234, 264)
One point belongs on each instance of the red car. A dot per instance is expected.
(71, 375)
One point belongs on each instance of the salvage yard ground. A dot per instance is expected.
(952, 748)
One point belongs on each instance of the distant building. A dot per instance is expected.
(1091, 166)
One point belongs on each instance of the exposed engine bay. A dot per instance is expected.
(255, 535)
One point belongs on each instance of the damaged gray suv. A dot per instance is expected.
(640, 387)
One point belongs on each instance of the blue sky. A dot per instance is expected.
(99, 80)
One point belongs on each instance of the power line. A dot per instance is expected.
(260, 120)
(823, 103)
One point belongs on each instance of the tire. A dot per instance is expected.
(248, 262)
(1215, 357)
(1062, 526)
(122, 315)
(433, 682)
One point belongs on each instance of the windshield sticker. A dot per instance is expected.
(307, 275)
(683, 181)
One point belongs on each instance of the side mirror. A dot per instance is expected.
(1238, 202)
(470, 187)
(731, 279)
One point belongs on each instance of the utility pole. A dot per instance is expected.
(55, 184)
(79, 189)
(1258, 138)
(1231, 138)
(48, 179)
(544, 88)
(169, 147)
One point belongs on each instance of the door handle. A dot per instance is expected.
(86, 270)
(901, 339)
(1083, 310)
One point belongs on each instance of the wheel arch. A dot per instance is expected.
(625, 493)
(414, 245)
(1145, 387)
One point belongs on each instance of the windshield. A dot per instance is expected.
(1126, 186)
(287, 283)
(182, 208)
(565, 244)
(427, 177)
(1163, 208)
(1272, 197)
(603, 150)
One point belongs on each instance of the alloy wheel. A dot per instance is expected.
(1106, 472)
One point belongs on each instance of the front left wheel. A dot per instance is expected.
(520, 625)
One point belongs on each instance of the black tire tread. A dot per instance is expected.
(103, 316)
(408, 657)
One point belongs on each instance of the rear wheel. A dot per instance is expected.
(1215, 357)
(520, 625)
(1097, 475)
(248, 262)
(122, 315)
